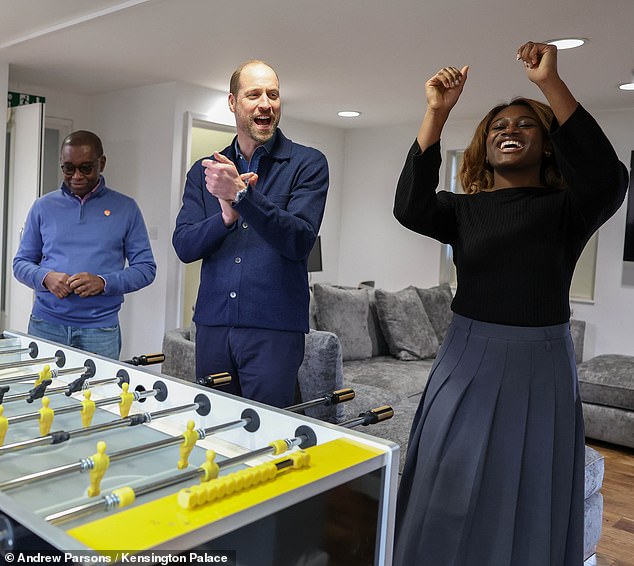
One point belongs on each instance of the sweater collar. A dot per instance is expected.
(96, 191)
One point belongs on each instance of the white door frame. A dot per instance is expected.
(24, 173)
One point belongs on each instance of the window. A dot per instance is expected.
(55, 130)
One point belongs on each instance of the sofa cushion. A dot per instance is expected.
(608, 380)
(594, 472)
(345, 312)
(437, 303)
(320, 373)
(379, 343)
(609, 424)
(392, 376)
(405, 325)
(180, 355)
(578, 332)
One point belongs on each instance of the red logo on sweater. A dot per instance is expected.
(106, 212)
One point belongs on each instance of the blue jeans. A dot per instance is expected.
(102, 341)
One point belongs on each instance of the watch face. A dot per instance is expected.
(240, 195)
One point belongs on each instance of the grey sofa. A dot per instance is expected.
(321, 371)
(387, 355)
(385, 361)
(606, 383)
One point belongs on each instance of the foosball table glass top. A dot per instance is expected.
(159, 463)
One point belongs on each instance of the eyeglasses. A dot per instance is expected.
(85, 168)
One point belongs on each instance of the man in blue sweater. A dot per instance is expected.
(252, 213)
(74, 249)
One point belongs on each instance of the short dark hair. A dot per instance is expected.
(234, 83)
(84, 137)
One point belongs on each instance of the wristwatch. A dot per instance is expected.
(240, 195)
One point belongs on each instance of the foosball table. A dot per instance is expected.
(111, 459)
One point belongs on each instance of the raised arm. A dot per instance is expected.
(442, 92)
(540, 61)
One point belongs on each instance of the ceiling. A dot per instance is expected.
(368, 55)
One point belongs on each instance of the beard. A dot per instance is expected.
(259, 135)
(247, 123)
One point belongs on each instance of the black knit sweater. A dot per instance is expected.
(515, 249)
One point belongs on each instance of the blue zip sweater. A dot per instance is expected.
(98, 236)
(254, 273)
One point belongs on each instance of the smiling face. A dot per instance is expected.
(515, 145)
(256, 105)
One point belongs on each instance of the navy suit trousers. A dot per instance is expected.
(263, 363)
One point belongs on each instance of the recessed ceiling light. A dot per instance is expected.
(627, 86)
(567, 43)
(349, 114)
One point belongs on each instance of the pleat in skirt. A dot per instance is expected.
(494, 473)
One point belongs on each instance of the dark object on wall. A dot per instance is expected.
(314, 258)
(628, 250)
(21, 99)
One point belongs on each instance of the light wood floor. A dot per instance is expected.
(616, 547)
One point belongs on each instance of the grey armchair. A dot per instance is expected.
(321, 371)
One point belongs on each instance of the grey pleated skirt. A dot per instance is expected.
(494, 474)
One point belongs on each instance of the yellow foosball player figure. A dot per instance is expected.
(190, 436)
(46, 417)
(4, 425)
(101, 462)
(87, 409)
(43, 375)
(126, 400)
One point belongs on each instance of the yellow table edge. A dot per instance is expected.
(153, 523)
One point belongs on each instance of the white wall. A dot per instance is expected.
(136, 128)
(610, 319)
(60, 104)
(331, 142)
(375, 246)
(4, 87)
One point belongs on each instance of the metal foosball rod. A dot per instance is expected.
(146, 359)
(88, 369)
(136, 396)
(86, 380)
(370, 417)
(206, 491)
(125, 496)
(9, 351)
(338, 396)
(43, 387)
(43, 379)
(62, 436)
(214, 379)
(86, 464)
(23, 363)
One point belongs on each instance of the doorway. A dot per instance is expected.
(206, 137)
(23, 175)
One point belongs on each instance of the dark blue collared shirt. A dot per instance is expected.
(245, 166)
